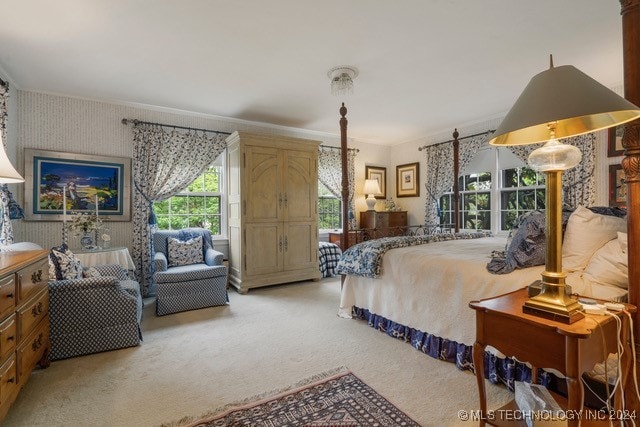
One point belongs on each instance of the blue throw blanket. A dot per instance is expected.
(365, 259)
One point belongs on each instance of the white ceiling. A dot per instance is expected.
(425, 65)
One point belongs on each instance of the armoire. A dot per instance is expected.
(272, 209)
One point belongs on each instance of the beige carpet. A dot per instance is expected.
(194, 362)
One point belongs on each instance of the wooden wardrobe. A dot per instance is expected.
(272, 209)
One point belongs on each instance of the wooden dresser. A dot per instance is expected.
(382, 221)
(24, 320)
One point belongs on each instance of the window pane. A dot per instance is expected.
(212, 183)
(484, 201)
(196, 205)
(540, 202)
(526, 200)
(508, 219)
(469, 202)
(161, 207)
(484, 181)
(509, 200)
(484, 220)
(510, 178)
(528, 177)
(178, 222)
(197, 185)
(179, 204)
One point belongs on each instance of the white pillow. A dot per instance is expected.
(586, 233)
(608, 266)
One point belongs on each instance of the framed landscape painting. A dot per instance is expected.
(86, 183)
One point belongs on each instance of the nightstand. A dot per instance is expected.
(570, 349)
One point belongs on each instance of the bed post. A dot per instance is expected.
(344, 242)
(456, 190)
(630, 11)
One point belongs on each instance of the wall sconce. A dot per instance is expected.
(371, 187)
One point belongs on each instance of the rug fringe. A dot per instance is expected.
(189, 421)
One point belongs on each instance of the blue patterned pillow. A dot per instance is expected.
(184, 252)
(63, 264)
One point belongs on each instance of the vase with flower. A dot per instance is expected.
(86, 225)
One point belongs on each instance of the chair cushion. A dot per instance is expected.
(184, 252)
(63, 264)
(186, 273)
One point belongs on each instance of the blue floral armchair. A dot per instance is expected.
(188, 272)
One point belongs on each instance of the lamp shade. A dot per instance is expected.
(8, 174)
(565, 95)
(371, 186)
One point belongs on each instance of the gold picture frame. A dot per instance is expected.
(408, 180)
(614, 146)
(617, 187)
(378, 173)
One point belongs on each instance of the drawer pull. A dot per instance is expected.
(10, 296)
(36, 276)
(37, 343)
(11, 380)
(11, 338)
(37, 309)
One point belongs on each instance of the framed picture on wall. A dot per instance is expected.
(617, 186)
(86, 183)
(408, 180)
(379, 174)
(614, 146)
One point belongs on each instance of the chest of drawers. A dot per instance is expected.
(24, 320)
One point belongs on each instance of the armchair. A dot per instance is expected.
(188, 272)
(94, 314)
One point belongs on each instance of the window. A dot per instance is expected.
(199, 205)
(329, 209)
(519, 190)
(475, 208)
(522, 191)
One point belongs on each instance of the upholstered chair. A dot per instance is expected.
(98, 312)
(188, 272)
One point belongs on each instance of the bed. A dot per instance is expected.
(418, 288)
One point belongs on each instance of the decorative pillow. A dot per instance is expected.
(608, 265)
(63, 264)
(184, 253)
(586, 233)
(90, 272)
(525, 244)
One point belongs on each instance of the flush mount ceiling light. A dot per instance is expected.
(342, 79)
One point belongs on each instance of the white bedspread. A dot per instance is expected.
(429, 287)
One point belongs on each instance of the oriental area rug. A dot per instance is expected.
(336, 400)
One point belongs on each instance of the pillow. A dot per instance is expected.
(586, 233)
(63, 264)
(608, 265)
(525, 244)
(184, 252)
(90, 272)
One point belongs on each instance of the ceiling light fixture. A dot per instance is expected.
(342, 79)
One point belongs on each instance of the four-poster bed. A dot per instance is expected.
(631, 165)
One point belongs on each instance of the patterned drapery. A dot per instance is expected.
(164, 163)
(578, 183)
(330, 174)
(6, 229)
(439, 171)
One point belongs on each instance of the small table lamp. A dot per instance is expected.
(371, 187)
(559, 103)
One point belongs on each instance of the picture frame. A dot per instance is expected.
(614, 145)
(408, 180)
(83, 177)
(617, 187)
(378, 173)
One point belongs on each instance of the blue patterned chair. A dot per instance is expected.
(188, 272)
(94, 314)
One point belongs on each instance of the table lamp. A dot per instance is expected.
(371, 187)
(560, 102)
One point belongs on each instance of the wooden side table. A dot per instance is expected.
(570, 349)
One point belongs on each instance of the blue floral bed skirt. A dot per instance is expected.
(497, 370)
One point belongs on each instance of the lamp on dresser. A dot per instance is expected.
(371, 187)
(560, 102)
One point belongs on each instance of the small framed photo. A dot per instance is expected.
(80, 182)
(379, 174)
(614, 145)
(408, 180)
(617, 186)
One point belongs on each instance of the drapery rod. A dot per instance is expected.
(140, 122)
(464, 137)
(330, 147)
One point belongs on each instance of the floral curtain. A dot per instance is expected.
(330, 174)
(6, 229)
(578, 183)
(164, 163)
(439, 171)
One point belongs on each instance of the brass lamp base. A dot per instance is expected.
(554, 304)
